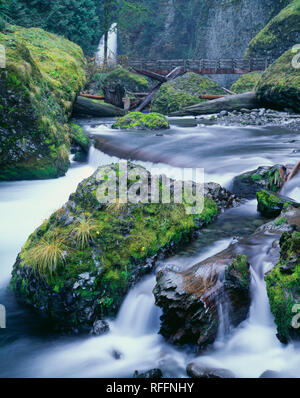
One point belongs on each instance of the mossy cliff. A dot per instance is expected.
(182, 92)
(279, 86)
(246, 83)
(79, 264)
(43, 75)
(283, 287)
(142, 121)
(279, 35)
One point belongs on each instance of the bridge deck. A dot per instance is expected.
(204, 66)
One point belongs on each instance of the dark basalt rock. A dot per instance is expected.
(99, 328)
(199, 372)
(150, 374)
(190, 300)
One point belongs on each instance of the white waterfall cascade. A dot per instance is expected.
(112, 47)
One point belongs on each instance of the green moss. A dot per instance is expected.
(246, 83)
(240, 267)
(131, 81)
(45, 72)
(142, 121)
(79, 137)
(280, 221)
(183, 91)
(269, 204)
(123, 237)
(280, 84)
(283, 285)
(279, 35)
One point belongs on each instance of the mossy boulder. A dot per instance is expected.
(270, 205)
(129, 80)
(246, 83)
(79, 137)
(142, 121)
(182, 92)
(43, 75)
(279, 35)
(80, 263)
(279, 86)
(283, 287)
(271, 178)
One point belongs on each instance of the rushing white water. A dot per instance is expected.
(292, 188)
(112, 47)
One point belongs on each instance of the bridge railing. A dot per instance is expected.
(203, 66)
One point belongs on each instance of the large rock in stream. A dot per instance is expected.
(79, 264)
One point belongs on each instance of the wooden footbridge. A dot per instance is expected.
(203, 66)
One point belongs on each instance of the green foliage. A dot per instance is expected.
(240, 266)
(84, 232)
(142, 121)
(183, 91)
(131, 81)
(246, 83)
(279, 86)
(284, 287)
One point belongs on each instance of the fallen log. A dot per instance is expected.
(170, 76)
(96, 97)
(210, 96)
(227, 103)
(85, 106)
(295, 171)
(228, 91)
(152, 75)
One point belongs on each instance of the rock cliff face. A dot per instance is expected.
(198, 28)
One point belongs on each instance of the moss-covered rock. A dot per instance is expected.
(182, 92)
(246, 83)
(142, 121)
(271, 205)
(279, 35)
(271, 178)
(44, 73)
(283, 287)
(79, 137)
(129, 80)
(79, 264)
(279, 86)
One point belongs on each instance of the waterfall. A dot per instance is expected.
(112, 47)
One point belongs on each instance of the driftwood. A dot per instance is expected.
(170, 76)
(96, 97)
(85, 106)
(211, 97)
(227, 103)
(295, 171)
(114, 95)
(228, 91)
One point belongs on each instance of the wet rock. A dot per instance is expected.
(150, 374)
(270, 204)
(271, 374)
(195, 302)
(99, 327)
(199, 372)
(248, 184)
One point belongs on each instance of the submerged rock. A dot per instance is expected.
(200, 372)
(43, 75)
(150, 374)
(195, 302)
(99, 328)
(248, 184)
(80, 263)
(142, 121)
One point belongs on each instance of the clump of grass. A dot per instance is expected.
(48, 255)
(116, 207)
(83, 232)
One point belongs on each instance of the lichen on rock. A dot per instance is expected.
(43, 75)
(142, 121)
